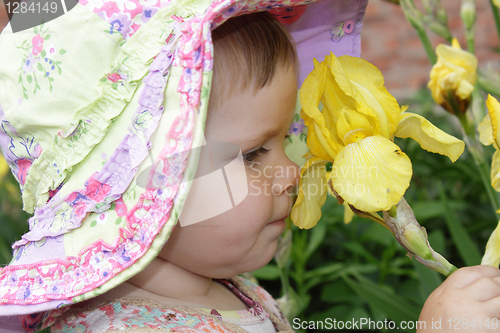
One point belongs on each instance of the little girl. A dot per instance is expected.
(101, 124)
(104, 123)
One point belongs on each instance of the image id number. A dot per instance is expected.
(22, 7)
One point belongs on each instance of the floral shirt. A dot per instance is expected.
(141, 315)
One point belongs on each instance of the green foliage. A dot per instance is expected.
(13, 220)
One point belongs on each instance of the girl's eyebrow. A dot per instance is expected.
(268, 133)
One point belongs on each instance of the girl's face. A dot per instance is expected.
(245, 237)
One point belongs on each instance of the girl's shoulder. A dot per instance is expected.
(259, 294)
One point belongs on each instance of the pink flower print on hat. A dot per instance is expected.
(115, 77)
(37, 42)
(348, 26)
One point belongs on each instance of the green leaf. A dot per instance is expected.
(43, 54)
(29, 78)
(114, 85)
(358, 249)
(40, 68)
(268, 272)
(337, 292)
(463, 242)
(324, 270)
(315, 240)
(62, 51)
(429, 279)
(383, 298)
(93, 224)
(118, 220)
(46, 37)
(425, 210)
(59, 70)
(35, 30)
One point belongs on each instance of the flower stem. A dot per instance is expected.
(475, 149)
(469, 35)
(424, 38)
(497, 18)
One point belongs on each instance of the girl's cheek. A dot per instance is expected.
(259, 184)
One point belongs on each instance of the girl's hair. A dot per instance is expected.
(247, 51)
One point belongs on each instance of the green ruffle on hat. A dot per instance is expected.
(100, 111)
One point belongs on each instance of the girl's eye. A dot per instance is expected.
(251, 156)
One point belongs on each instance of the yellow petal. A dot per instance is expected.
(429, 136)
(492, 254)
(333, 100)
(464, 89)
(353, 126)
(455, 44)
(306, 211)
(494, 112)
(348, 213)
(319, 139)
(365, 83)
(458, 60)
(371, 174)
(4, 167)
(485, 131)
(495, 171)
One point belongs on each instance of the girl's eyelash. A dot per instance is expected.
(250, 157)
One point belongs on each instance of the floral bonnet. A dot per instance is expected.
(99, 111)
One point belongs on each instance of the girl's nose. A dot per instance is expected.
(289, 175)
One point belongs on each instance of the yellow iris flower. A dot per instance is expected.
(489, 134)
(453, 77)
(355, 132)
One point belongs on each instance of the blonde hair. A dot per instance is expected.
(247, 51)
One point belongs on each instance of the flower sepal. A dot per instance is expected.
(413, 237)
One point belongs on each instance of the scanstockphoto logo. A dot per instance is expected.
(27, 14)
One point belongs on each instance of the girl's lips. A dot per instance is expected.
(282, 219)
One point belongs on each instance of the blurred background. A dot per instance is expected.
(358, 270)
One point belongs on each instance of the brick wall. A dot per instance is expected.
(391, 44)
